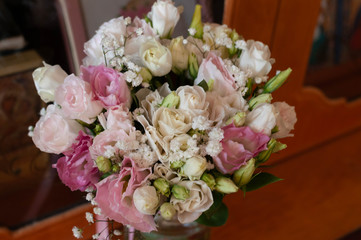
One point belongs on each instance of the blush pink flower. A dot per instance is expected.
(213, 69)
(115, 196)
(76, 169)
(239, 145)
(76, 100)
(53, 133)
(108, 85)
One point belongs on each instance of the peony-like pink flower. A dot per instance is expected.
(119, 117)
(108, 85)
(213, 69)
(115, 196)
(239, 145)
(76, 100)
(104, 143)
(76, 169)
(53, 133)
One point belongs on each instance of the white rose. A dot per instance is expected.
(286, 119)
(192, 100)
(200, 200)
(194, 167)
(262, 119)
(156, 57)
(179, 55)
(53, 133)
(170, 121)
(47, 79)
(256, 59)
(146, 200)
(160, 170)
(164, 16)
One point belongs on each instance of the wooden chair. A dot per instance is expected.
(320, 197)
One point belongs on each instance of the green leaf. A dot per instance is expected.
(217, 219)
(260, 180)
(217, 201)
(204, 85)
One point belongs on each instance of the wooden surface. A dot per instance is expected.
(19, 62)
(58, 227)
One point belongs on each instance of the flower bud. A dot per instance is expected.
(238, 120)
(167, 211)
(172, 100)
(146, 75)
(234, 35)
(103, 164)
(162, 186)
(197, 22)
(146, 200)
(193, 65)
(115, 168)
(277, 81)
(262, 98)
(180, 192)
(194, 167)
(179, 55)
(209, 180)
(225, 185)
(279, 146)
(243, 175)
(176, 164)
(47, 79)
(265, 155)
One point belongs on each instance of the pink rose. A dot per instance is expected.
(285, 120)
(53, 133)
(76, 100)
(119, 117)
(104, 143)
(108, 85)
(213, 69)
(76, 169)
(115, 196)
(239, 145)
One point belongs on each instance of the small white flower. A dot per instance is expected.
(185, 41)
(93, 202)
(201, 123)
(42, 112)
(216, 134)
(97, 211)
(96, 236)
(206, 48)
(241, 44)
(139, 31)
(214, 148)
(116, 232)
(192, 31)
(77, 232)
(89, 217)
(89, 196)
(89, 189)
(206, 28)
(128, 20)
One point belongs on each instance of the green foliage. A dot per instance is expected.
(217, 214)
(260, 180)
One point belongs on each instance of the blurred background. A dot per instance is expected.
(320, 39)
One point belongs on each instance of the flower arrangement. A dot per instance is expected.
(164, 126)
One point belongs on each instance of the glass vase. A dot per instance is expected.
(170, 230)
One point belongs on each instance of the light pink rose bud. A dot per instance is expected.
(76, 100)
(53, 133)
(285, 120)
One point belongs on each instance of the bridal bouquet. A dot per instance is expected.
(161, 126)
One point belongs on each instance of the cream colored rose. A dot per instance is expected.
(192, 100)
(200, 200)
(256, 58)
(146, 200)
(179, 55)
(170, 121)
(156, 57)
(194, 167)
(47, 79)
(164, 16)
(161, 170)
(262, 119)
